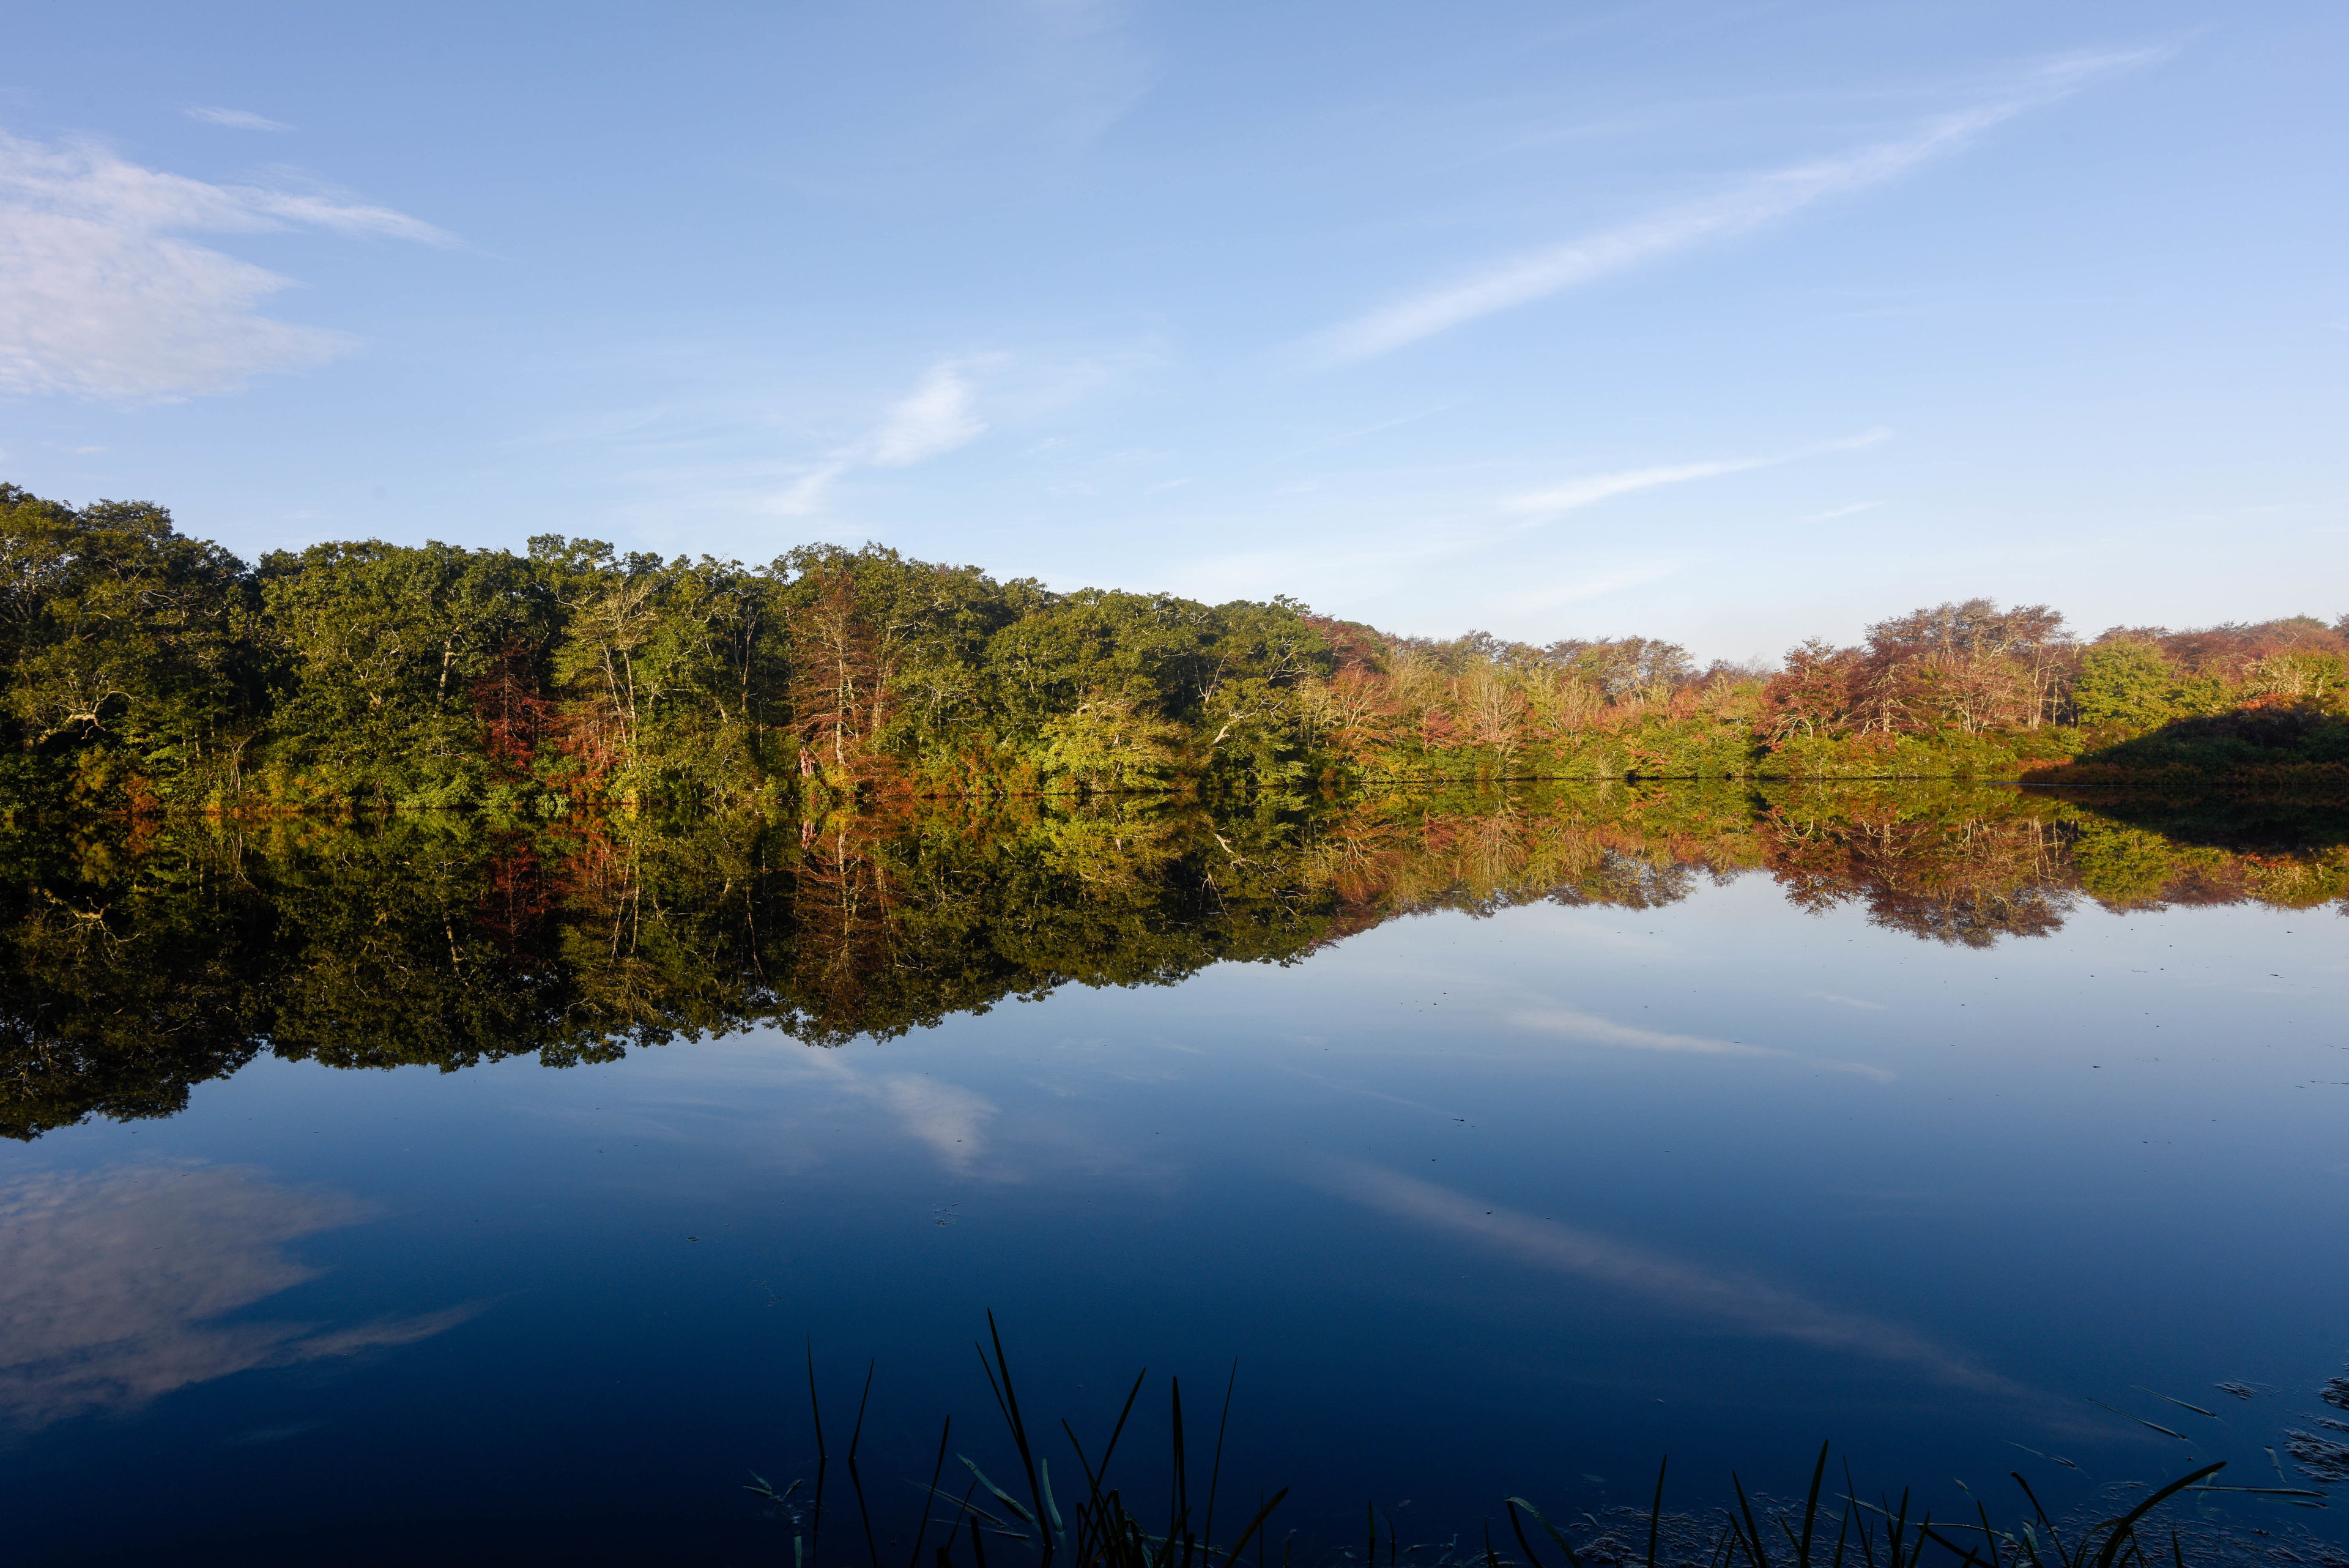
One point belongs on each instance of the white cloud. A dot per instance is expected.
(234, 119)
(1759, 200)
(119, 1286)
(1577, 493)
(102, 297)
(804, 495)
(939, 416)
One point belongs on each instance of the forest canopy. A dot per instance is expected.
(146, 670)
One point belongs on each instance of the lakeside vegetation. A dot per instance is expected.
(146, 672)
(1102, 1523)
(142, 956)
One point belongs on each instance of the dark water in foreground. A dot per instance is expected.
(1555, 1135)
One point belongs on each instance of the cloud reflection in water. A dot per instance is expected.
(112, 1283)
(1593, 1031)
(1746, 1303)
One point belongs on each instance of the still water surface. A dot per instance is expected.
(1508, 1189)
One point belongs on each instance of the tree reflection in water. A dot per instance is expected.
(142, 961)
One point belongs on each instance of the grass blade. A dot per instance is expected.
(1572, 1559)
(2124, 1415)
(1656, 1510)
(1178, 1502)
(822, 1459)
(1811, 1510)
(1215, 1471)
(1256, 1523)
(1002, 1496)
(2179, 1403)
(872, 1548)
(1051, 1507)
(2127, 1524)
(1019, 1427)
(1520, 1530)
(1966, 1553)
(1118, 1430)
(937, 1471)
(1752, 1531)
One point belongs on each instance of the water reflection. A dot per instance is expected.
(1741, 1302)
(1590, 1031)
(115, 1285)
(134, 966)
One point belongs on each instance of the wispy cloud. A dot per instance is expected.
(940, 414)
(1083, 70)
(234, 119)
(1846, 1000)
(102, 297)
(1595, 1031)
(1584, 585)
(1576, 494)
(1741, 1302)
(1745, 207)
(1589, 492)
(119, 1286)
(805, 493)
(947, 1116)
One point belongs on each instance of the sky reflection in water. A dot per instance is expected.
(1482, 1202)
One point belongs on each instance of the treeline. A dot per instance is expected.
(153, 954)
(1960, 689)
(145, 670)
(147, 667)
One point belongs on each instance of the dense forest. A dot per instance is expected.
(139, 956)
(148, 671)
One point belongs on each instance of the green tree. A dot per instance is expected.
(124, 641)
(1108, 742)
(2304, 676)
(381, 647)
(2125, 682)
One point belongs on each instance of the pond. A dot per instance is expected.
(464, 1192)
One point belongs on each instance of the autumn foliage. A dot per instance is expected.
(144, 672)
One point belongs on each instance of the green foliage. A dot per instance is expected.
(2133, 684)
(1106, 744)
(146, 671)
(124, 643)
(158, 671)
(2239, 743)
(2299, 676)
(378, 651)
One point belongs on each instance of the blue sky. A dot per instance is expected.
(1728, 323)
